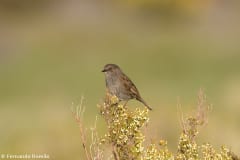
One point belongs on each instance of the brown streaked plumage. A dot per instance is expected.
(120, 85)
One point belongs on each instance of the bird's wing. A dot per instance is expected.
(130, 87)
(133, 91)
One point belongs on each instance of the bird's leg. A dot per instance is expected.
(125, 103)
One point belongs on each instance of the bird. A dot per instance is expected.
(118, 84)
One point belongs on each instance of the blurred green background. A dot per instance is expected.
(52, 52)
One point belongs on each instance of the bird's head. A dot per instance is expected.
(111, 69)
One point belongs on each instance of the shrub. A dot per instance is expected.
(126, 139)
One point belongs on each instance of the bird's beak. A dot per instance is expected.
(104, 70)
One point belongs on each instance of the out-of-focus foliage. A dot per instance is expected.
(173, 7)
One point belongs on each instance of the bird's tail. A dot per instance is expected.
(141, 100)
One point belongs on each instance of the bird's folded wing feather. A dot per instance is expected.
(129, 85)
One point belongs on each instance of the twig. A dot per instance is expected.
(115, 154)
(78, 115)
(95, 151)
(180, 115)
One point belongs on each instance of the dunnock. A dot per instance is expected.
(120, 85)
